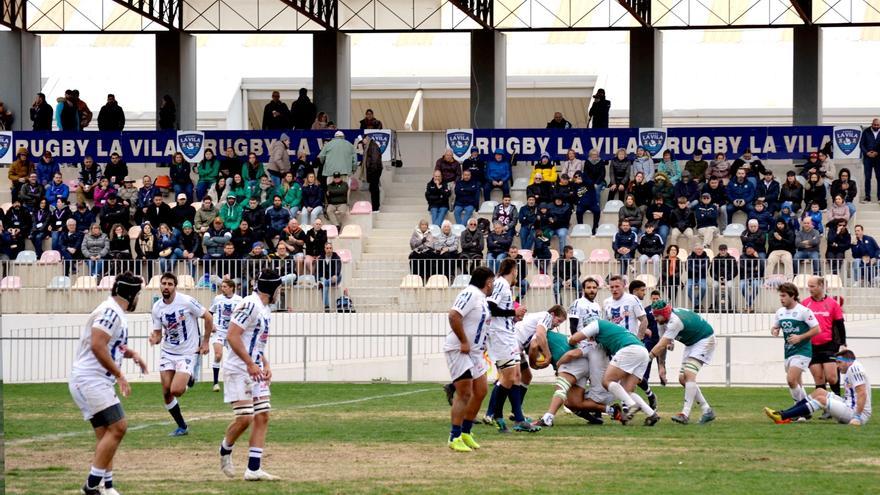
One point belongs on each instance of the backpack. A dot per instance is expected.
(344, 305)
(483, 226)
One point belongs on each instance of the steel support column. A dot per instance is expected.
(331, 75)
(645, 77)
(20, 80)
(488, 80)
(806, 93)
(176, 75)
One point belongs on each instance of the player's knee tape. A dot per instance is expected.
(262, 406)
(692, 365)
(562, 387)
(243, 411)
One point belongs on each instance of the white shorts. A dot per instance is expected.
(578, 368)
(94, 397)
(598, 365)
(633, 359)
(218, 338)
(840, 410)
(238, 386)
(177, 364)
(459, 364)
(503, 348)
(702, 350)
(798, 361)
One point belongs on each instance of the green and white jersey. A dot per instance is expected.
(796, 321)
(686, 327)
(610, 336)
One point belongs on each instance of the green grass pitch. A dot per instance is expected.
(391, 439)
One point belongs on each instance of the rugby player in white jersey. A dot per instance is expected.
(854, 408)
(465, 342)
(221, 310)
(247, 375)
(176, 327)
(798, 325)
(96, 369)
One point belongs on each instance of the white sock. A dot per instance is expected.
(797, 393)
(642, 404)
(617, 390)
(171, 405)
(690, 393)
(548, 417)
(704, 405)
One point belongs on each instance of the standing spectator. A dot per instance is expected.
(644, 164)
(598, 113)
(472, 244)
(167, 114)
(46, 168)
(369, 122)
(687, 188)
(95, 246)
(791, 191)
(322, 121)
(208, 170)
(205, 215)
(127, 198)
(566, 272)
(372, 166)
(279, 159)
(572, 164)
(697, 166)
(741, 193)
(437, 196)
(815, 191)
(338, 156)
(670, 277)
(780, 245)
(42, 226)
(337, 201)
(252, 172)
(720, 168)
(650, 250)
(506, 214)
(41, 114)
(632, 213)
(497, 245)
(312, 200)
(724, 271)
(838, 243)
(586, 199)
(116, 170)
(19, 170)
(595, 168)
(669, 166)
(683, 222)
(751, 272)
(541, 190)
(181, 181)
(66, 112)
(276, 115)
(660, 215)
(527, 216)
(768, 189)
(58, 222)
(302, 111)
(450, 170)
(6, 118)
(865, 253)
(706, 215)
(755, 237)
(846, 187)
(111, 117)
(697, 271)
(624, 245)
(230, 164)
(807, 244)
(467, 198)
(498, 175)
(558, 122)
(82, 110)
(328, 271)
(446, 248)
(31, 193)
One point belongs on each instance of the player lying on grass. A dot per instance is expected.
(854, 408)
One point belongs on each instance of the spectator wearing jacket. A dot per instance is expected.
(816, 192)
(660, 215)
(166, 242)
(313, 201)
(683, 223)
(527, 216)
(780, 245)
(214, 239)
(650, 250)
(719, 168)
(560, 214)
(208, 170)
(450, 170)
(94, 248)
(572, 164)
(497, 245)
(337, 201)
(31, 193)
(497, 175)
(724, 271)
(328, 272)
(116, 170)
(865, 253)
(277, 217)
(752, 164)
(751, 273)
(111, 117)
(102, 192)
(276, 115)
(566, 273)
(762, 215)
(586, 199)
(145, 196)
(839, 209)
(596, 170)
(791, 191)
(697, 167)
(632, 213)
(741, 193)
(46, 169)
(815, 214)
(182, 212)
(446, 249)
(869, 143)
(179, 171)
(58, 221)
(437, 195)
(476, 165)
(159, 212)
(716, 189)
(243, 238)
(421, 244)
(231, 212)
(624, 245)
(558, 122)
(472, 242)
(189, 246)
(619, 173)
(42, 225)
(706, 216)
(663, 188)
(69, 244)
(20, 170)
(114, 213)
(251, 173)
(255, 215)
(643, 163)
(541, 189)
(754, 236)
(83, 216)
(688, 188)
(697, 271)
(41, 114)
(467, 198)
(205, 216)
(279, 159)
(302, 111)
(768, 189)
(565, 189)
(128, 198)
(807, 242)
(506, 214)
(145, 248)
(546, 168)
(291, 194)
(786, 215)
(838, 243)
(847, 188)
(230, 164)
(641, 190)
(669, 166)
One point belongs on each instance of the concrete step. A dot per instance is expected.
(386, 256)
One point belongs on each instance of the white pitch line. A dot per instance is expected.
(60, 436)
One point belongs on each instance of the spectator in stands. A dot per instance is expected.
(450, 170)
(446, 248)
(751, 272)
(565, 189)
(243, 237)
(807, 244)
(839, 209)
(815, 191)
(741, 193)
(148, 207)
(752, 164)
(322, 121)
(69, 243)
(66, 112)
(264, 192)
(670, 276)
(312, 200)
(145, 196)
(865, 253)
(101, 192)
(669, 166)
(231, 212)
(58, 221)
(337, 201)
(95, 246)
(84, 217)
(660, 215)
(724, 272)
(467, 198)
(497, 245)
(41, 114)
(527, 217)
(498, 175)
(839, 242)
(683, 222)
(208, 170)
(42, 225)
(641, 191)
(697, 271)
(586, 199)
(127, 197)
(255, 260)
(6, 118)
(545, 167)
(566, 272)
(706, 216)
(113, 212)
(643, 163)
(189, 244)
(369, 121)
(276, 115)
(663, 188)
(20, 170)
(688, 188)
(302, 111)
(230, 164)
(543, 233)
(506, 214)
(316, 237)
(372, 167)
(716, 190)
(558, 122)
(239, 189)
(720, 168)
(421, 242)
(540, 189)
(120, 249)
(182, 212)
(650, 250)
(205, 216)
(5, 242)
(111, 117)
(214, 238)
(291, 194)
(255, 215)
(46, 168)
(279, 159)
(572, 164)
(476, 165)
(792, 191)
(780, 245)
(437, 195)
(338, 156)
(827, 170)
(755, 237)
(18, 223)
(768, 190)
(595, 169)
(328, 272)
(624, 245)
(284, 262)
(472, 244)
(167, 114)
(847, 188)
(632, 213)
(166, 242)
(295, 238)
(869, 144)
(179, 171)
(252, 172)
(560, 214)
(815, 214)
(31, 193)
(697, 166)
(786, 215)
(522, 271)
(811, 166)
(229, 265)
(762, 215)
(599, 110)
(277, 217)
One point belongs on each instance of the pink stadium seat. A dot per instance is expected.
(597, 278)
(600, 255)
(332, 231)
(733, 252)
(10, 283)
(50, 258)
(526, 254)
(107, 283)
(554, 255)
(362, 208)
(542, 282)
(345, 255)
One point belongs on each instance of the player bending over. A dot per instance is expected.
(221, 310)
(96, 369)
(798, 325)
(246, 376)
(176, 317)
(587, 362)
(698, 338)
(854, 408)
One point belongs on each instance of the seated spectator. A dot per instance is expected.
(586, 199)
(660, 215)
(231, 212)
(205, 215)
(230, 164)
(752, 164)
(69, 244)
(760, 213)
(697, 271)
(683, 222)
(253, 171)
(182, 212)
(847, 188)
(58, 222)
(89, 174)
(145, 197)
(498, 174)
(18, 223)
(166, 242)
(619, 168)
(670, 276)
(755, 237)
(706, 216)
(839, 242)
(791, 191)
(179, 172)
(811, 166)
(243, 237)
(312, 201)
(624, 245)
(57, 189)
(827, 170)
(741, 194)
(814, 213)
(291, 194)
(316, 237)
(437, 195)
(543, 235)
(815, 191)
(718, 193)
(120, 249)
(46, 169)
(724, 272)
(566, 272)
(669, 166)
(472, 244)
(650, 250)
(114, 212)
(522, 271)
(446, 247)
(94, 248)
(697, 166)
(277, 217)
(687, 188)
(19, 170)
(229, 266)
(214, 239)
(807, 244)
(421, 242)
(328, 272)
(558, 122)
(768, 189)
(467, 198)
(839, 210)
(83, 216)
(476, 165)
(865, 253)
(116, 170)
(506, 214)
(571, 165)
(663, 188)
(128, 197)
(337, 201)
(102, 192)
(645, 164)
(208, 170)
(264, 192)
(790, 219)
(42, 226)
(545, 167)
(540, 189)
(719, 168)
(189, 245)
(239, 189)
(632, 213)
(780, 245)
(449, 168)
(560, 213)
(255, 261)
(497, 245)
(595, 171)
(295, 238)
(751, 274)
(284, 262)
(527, 216)
(565, 189)
(640, 190)
(31, 193)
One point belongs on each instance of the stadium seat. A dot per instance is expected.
(461, 281)
(488, 207)
(85, 282)
(554, 255)
(306, 227)
(50, 257)
(580, 255)
(196, 205)
(162, 182)
(518, 204)
(773, 281)
(186, 282)
(833, 281)
(541, 281)
(73, 185)
(434, 229)
(306, 281)
(596, 277)
(800, 281)
(709, 253)
(26, 257)
(437, 282)
(332, 231)
(351, 232)
(734, 230)
(5, 206)
(411, 282)
(59, 282)
(457, 229)
(649, 280)
(134, 232)
(606, 230)
(526, 254)
(344, 255)
(733, 252)
(612, 206)
(362, 208)
(520, 184)
(581, 230)
(682, 256)
(155, 282)
(600, 256)
(10, 283)
(106, 283)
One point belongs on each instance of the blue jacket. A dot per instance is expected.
(527, 216)
(865, 247)
(868, 142)
(498, 170)
(73, 240)
(84, 219)
(744, 190)
(467, 193)
(764, 218)
(53, 192)
(312, 196)
(624, 239)
(769, 192)
(707, 216)
(688, 189)
(277, 218)
(145, 196)
(46, 172)
(816, 217)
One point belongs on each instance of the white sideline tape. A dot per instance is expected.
(60, 436)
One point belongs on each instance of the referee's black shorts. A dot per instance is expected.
(824, 353)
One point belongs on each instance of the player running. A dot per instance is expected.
(247, 375)
(176, 316)
(831, 338)
(96, 369)
(628, 363)
(221, 310)
(698, 337)
(798, 325)
(626, 310)
(465, 342)
(854, 408)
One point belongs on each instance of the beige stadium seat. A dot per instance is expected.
(833, 281)
(411, 282)
(800, 281)
(85, 282)
(155, 282)
(437, 282)
(186, 282)
(351, 231)
(649, 280)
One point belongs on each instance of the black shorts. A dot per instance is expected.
(824, 353)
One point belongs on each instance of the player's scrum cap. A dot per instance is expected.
(661, 308)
